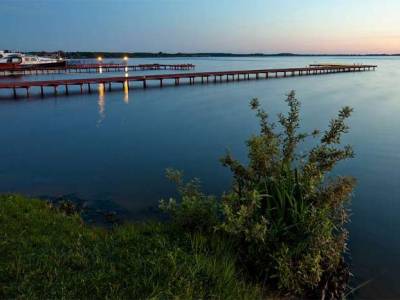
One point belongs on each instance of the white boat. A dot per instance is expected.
(10, 60)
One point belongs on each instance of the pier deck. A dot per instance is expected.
(92, 68)
(177, 78)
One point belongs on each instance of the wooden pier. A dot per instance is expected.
(176, 79)
(93, 68)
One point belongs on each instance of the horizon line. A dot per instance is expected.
(161, 53)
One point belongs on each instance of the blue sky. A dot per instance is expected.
(269, 26)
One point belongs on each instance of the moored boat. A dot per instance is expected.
(15, 60)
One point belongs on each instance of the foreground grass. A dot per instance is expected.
(47, 254)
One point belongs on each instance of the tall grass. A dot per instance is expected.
(46, 254)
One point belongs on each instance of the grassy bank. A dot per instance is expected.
(47, 254)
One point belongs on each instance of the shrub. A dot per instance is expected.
(286, 218)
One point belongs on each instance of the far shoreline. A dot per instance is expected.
(105, 54)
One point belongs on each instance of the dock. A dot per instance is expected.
(85, 84)
(93, 68)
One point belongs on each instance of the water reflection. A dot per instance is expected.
(101, 70)
(101, 104)
(126, 92)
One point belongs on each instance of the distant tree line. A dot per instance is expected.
(89, 54)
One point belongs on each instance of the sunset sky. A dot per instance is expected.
(240, 26)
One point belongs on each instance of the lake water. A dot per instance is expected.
(112, 148)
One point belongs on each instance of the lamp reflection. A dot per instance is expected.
(126, 92)
(101, 104)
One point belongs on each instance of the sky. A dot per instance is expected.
(237, 26)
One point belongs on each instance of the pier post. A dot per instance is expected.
(144, 83)
(41, 91)
(89, 89)
(66, 89)
(55, 90)
(81, 88)
(109, 86)
(15, 92)
(27, 92)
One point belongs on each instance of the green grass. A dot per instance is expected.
(48, 255)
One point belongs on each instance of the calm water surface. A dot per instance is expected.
(113, 147)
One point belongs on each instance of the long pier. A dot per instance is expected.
(177, 78)
(93, 68)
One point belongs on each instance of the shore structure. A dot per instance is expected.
(91, 68)
(177, 78)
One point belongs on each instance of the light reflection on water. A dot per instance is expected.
(126, 92)
(102, 103)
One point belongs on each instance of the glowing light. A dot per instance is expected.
(126, 69)
(125, 57)
(99, 58)
(126, 75)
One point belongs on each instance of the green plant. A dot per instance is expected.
(286, 218)
(283, 215)
(194, 211)
(48, 254)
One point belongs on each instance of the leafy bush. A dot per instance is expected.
(283, 214)
(195, 211)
